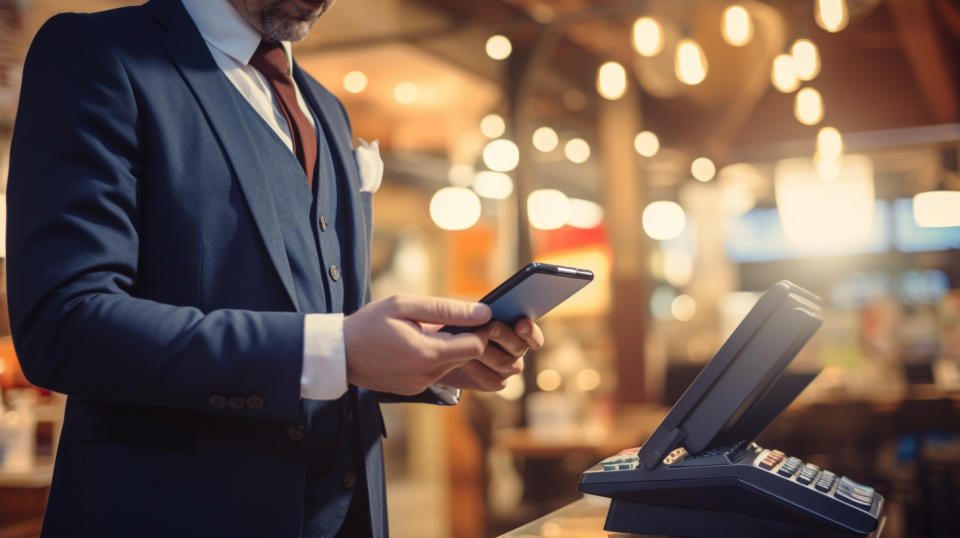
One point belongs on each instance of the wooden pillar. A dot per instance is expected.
(528, 61)
(618, 124)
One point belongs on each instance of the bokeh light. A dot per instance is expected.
(663, 220)
(499, 47)
(454, 208)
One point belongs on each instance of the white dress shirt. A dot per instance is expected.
(232, 42)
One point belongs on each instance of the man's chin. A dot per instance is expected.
(279, 27)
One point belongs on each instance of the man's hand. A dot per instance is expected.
(388, 350)
(491, 370)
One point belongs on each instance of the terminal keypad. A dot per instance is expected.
(625, 460)
(826, 482)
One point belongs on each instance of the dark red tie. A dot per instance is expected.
(271, 60)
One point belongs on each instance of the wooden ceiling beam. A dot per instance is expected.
(931, 57)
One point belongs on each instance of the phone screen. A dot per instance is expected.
(532, 292)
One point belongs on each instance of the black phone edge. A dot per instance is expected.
(533, 268)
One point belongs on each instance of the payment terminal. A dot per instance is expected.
(701, 474)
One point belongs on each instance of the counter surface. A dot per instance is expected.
(584, 519)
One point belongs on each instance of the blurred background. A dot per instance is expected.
(691, 153)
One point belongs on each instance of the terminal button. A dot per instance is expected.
(856, 494)
(826, 481)
(790, 467)
(771, 460)
(808, 474)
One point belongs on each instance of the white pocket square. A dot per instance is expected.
(371, 165)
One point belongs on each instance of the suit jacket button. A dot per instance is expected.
(334, 273)
(349, 479)
(236, 402)
(347, 413)
(295, 432)
(255, 402)
(218, 401)
(323, 223)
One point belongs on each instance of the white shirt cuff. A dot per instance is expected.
(447, 395)
(324, 375)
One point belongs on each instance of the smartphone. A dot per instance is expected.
(532, 292)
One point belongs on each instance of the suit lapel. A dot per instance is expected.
(337, 132)
(213, 91)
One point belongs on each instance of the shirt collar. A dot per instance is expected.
(224, 29)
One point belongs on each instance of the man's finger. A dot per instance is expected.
(440, 310)
(456, 347)
(502, 362)
(507, 339)
(530, 332)
(483, 377)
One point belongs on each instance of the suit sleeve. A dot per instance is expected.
(73, 210)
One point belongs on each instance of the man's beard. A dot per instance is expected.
(279, 26)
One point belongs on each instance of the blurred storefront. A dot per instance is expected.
(691, 153)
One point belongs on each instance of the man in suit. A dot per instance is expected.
(188, 260)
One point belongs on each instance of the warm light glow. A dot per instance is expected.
(737, 26)
(588, 379)
(585, 214)
(703, 169)
(545, 139)
(827, 169)
(832, 15)
(784, 74)
(738, 187)
(460, 175)
(825, 217)
(494, 185)
(647, 36)
(493, 126)
(548, 209)
(514, 389)
(683, 308)
(549, 380)
(499, 47)
(829, 143)
(937, 209)
(661, 302)
(611, 81)
(677, 267)
(355, 81)
(577, 150)
(646, 143)
(663, 220)
(454, 208)
(501, 155)
(808, 106)
(806, 59)
(405, 92)
(691, 64)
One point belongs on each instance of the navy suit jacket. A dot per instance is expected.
(148, 281)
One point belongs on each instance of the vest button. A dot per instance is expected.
(334, 273)
(323, 223)
(346, 412)
(255, 402)
(349, 479)
(295, 432)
